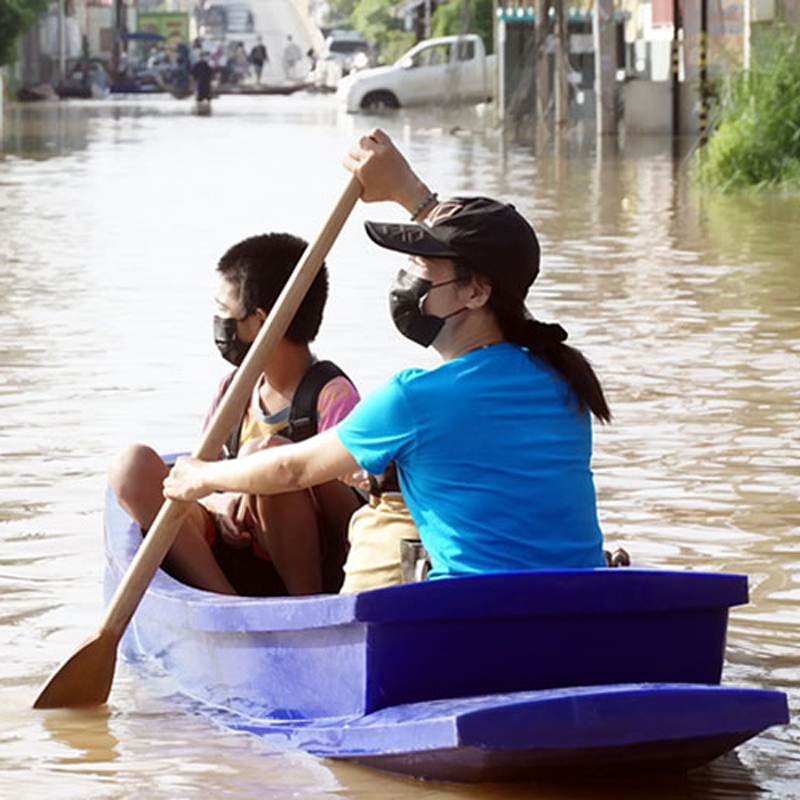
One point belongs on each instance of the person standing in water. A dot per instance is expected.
(258, 57)
(291, 56)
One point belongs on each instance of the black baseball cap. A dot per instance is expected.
(493, 237)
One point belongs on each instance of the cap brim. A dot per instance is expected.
(413, 239)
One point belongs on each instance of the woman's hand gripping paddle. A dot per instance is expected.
(84, 679)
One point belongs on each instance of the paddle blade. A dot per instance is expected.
(84, 679)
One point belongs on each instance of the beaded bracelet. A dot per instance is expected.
(431, 198)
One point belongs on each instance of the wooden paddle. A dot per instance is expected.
(84, 679)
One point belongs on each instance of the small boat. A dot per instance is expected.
(252, 89)
(87, 80)
(136, 86)
(484, 678)
(37, 93)
(181, 91)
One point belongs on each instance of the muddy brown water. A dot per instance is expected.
(112, 215)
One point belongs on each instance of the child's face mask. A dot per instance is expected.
(228, 343)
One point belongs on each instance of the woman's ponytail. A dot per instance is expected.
(546, 340)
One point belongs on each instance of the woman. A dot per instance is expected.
(492, 447)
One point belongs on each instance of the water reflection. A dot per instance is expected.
(86, 734)
(43, 130)
(112, 216)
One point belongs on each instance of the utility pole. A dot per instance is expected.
(542, 65)
(703, 116)
(677, 25)
(748, 20)
(562, 61)
(605, 67)
(62, 41)
(119, 25)
(499, 37)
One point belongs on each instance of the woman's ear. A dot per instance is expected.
(480, 291)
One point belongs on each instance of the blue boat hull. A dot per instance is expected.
(578, 731)
(486, 678)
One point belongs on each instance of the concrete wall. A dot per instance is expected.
(791, 12)
(648, 108)
(99, 30)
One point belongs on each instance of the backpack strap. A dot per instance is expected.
(302, 422)
(303, 414)
(231, 447)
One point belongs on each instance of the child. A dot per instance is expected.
(241, 543)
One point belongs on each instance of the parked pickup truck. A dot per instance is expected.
(449, 69)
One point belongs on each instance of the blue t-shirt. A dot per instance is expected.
(493, 456)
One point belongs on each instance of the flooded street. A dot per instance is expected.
(112, 217)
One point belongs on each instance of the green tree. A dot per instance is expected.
(452, 18)
(16, 16)
(377, 22)
(373, 18)
(342, 8)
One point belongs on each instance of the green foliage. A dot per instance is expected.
(16, 16)
(757, 139)
(394, 44)
(452, 18)
(342, 8)
(373, 18)
(376, 21)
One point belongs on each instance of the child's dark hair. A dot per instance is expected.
(546, 341)
(387, 481)
(261, 265)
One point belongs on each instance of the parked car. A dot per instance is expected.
(349, 49)
(447, 69)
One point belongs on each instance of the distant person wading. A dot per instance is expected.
(291, 56)
(258, 57)
(202, 73)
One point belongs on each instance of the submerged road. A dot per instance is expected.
(113, 215)
(275, 21)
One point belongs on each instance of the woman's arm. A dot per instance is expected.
(317, 460)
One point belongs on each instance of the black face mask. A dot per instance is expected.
(405, 303)
(228, 343)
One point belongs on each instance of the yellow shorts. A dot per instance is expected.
(375, 533)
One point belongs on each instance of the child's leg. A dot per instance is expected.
(136, 477)
(287, 527)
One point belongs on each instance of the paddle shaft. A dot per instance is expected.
(85, 677)
(165, 527)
